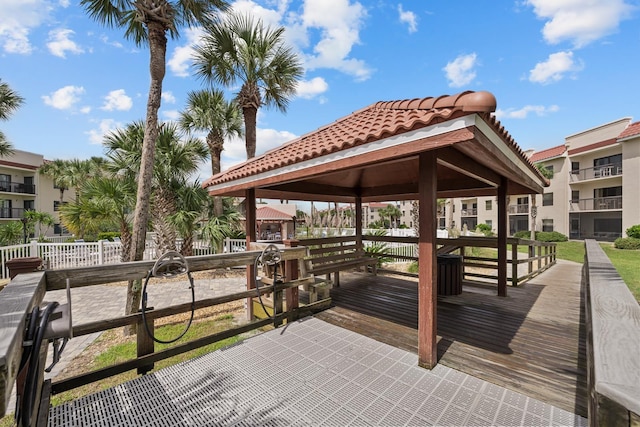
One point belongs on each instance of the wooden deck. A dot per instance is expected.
(532, 341)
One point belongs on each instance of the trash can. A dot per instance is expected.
(23, 265)
(449, 274)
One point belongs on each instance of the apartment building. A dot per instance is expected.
(371, 213)
(594, 192)
(23, 188)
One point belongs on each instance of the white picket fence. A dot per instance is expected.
(83, 254)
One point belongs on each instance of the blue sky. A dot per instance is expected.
(556, 67)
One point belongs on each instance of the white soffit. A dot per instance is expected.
(502, 146)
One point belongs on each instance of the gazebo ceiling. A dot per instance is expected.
(373, 154)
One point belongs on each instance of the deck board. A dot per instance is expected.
(532, 341)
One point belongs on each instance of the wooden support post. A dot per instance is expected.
(503, 227)
(145, 344)
(532, 253)
(291, 269)
(539, 257)
(514, 265)
(359, 247)
(427, 270)
(250, 230)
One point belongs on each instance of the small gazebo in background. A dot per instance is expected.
(276, 222)
(417, 149)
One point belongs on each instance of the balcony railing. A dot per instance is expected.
(597, 172)
(519, 209)
(469, 212)
(597, 204)
(17, 187)
(11, 213)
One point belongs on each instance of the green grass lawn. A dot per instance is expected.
(625, 261)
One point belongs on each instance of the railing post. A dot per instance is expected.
(291, 273)
(227, 244)
(532, 253)
(145, 344)
(100, 252)
(33, 248)
(514, 264)
(539, 258)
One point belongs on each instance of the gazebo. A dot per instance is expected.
(418, 149)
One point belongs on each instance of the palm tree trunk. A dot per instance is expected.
(250, 114)
(157, 61)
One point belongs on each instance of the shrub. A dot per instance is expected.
(542, 236)
(634, 231)
(108, 235)
(484, 229)
(627, 243)
(413, 267)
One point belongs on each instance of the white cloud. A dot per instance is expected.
(269, 17)
(60, 42)
(167, 96)
(339, 23)
(64, 3)
(171, 115)
(522, 113)
(309, 89)
(96, 136)
(579, 21)
(180, 59)
(408, 18)
(17, 19)
(105, 39)
(267, 139)
(554, 68)
(461, 71)
(117, 100)
(64, 98)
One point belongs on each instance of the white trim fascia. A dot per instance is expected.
(502, 146)
(392, 141)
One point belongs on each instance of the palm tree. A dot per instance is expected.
(56, 171)
(175, 161)
(191, 202)
(147, 22)
(208, 111)
(39, 219)
(113, 198)
(239, 50)
(10, 101)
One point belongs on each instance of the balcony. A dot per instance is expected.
(605, 171)
(519, 209)
(17, 187)
(11, 213)
(469, 212)
(597, 204)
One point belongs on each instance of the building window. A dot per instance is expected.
(547, 225)
(547, 199)
(488, 205)
(489, 222)
(575, 168)
(575, 196)
(607, 161)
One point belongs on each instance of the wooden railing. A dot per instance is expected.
(539, 257)
(27, 290)
(613, 343)
(63, 254)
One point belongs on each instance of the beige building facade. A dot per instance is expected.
(23, 188)
(594, 191)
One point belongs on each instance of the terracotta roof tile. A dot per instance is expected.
(266, 213)
(632, 130)
(548, 153)
(372, 123)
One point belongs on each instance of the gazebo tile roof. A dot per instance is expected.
(375, 122)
